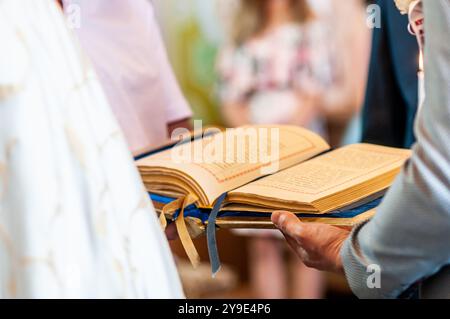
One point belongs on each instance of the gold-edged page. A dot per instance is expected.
(266, 223)
(221, 162)
(329, 174)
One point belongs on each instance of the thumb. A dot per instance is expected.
(288, 223)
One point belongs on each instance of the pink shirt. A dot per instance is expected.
(123, 41)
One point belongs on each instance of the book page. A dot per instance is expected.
(227, 161)
(328, 174)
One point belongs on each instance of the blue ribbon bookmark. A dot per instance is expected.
(211, 236)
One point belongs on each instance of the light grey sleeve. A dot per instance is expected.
(409, 238)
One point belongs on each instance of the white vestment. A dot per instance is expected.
(75, 220)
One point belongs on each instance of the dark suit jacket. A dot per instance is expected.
(391, 99)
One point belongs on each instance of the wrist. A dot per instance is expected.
(338, 262)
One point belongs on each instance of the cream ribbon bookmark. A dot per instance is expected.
(180, 223)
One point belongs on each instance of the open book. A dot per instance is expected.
(267, 168)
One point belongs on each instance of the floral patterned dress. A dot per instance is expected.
(270, 71)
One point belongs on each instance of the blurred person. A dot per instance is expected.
(276, 66)
(123, 41)
(75, 221)
(391, 98)
(133, 69)
(350, 38)
(273, 72)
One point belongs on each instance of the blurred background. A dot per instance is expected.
(259, 61)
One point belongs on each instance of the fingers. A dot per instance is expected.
(289, 224)
(171, 232)
(318, 245)
(292, 229)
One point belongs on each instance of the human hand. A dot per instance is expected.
(317, 245)
(403, 5)
(171, 232)
(309, 108)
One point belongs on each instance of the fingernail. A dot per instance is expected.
(275, 217)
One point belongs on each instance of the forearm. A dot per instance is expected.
(340, 103)
(408, 239)
(236, 114)
(352, 53)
